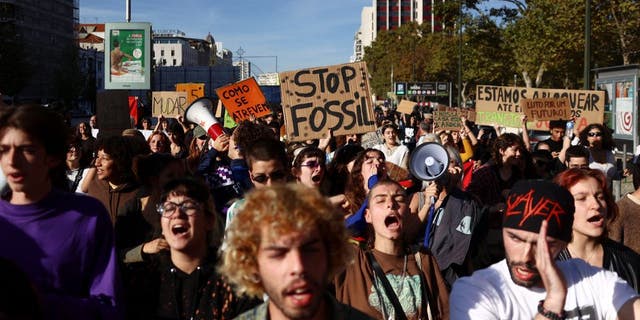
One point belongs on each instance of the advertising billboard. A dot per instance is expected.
(127, 61)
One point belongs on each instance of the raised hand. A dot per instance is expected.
(552, 278)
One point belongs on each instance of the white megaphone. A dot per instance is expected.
(429, 161)
(199, 112)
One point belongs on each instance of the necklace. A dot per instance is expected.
(402, 281)
(588, 259)
(403, 277)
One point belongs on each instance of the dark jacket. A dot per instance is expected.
(156, 289)
(457, 234)
(617, 258)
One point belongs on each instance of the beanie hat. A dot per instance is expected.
(198, 132)
(532, 201)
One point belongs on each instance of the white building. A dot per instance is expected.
(389, 15)
(242, 69)
(171, 48)
(91, 36)
(364, 35)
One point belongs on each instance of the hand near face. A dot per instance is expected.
(154, 246)
(552, 278)
(222, 143)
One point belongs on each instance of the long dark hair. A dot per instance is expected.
(607, 139)
(354, 189)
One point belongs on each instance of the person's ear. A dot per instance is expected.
(367, 215)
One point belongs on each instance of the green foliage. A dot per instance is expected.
(542, 41)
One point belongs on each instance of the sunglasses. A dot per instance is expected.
(311, 164)
(594, 134)
(274, 176)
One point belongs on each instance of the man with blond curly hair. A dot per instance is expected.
(288, 242)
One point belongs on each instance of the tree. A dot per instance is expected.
(485, 56)
(545, 38)
(619, 20)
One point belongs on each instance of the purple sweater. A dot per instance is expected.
(64, 243)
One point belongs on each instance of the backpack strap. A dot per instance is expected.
(399, 313)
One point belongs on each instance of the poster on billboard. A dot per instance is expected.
(127, 59)
(624, 108)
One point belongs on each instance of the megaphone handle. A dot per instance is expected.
(427, 232)
(215, 130)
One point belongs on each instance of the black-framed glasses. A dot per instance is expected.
(168, 208)
(595, 134)
(273, 176)
(311, 164)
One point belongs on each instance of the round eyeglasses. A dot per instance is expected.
(188, 207)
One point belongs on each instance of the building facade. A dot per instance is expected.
(46, 30)
(242, 69)
(386, 15)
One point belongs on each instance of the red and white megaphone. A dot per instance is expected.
(199, 112)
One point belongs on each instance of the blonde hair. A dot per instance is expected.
(282, 209)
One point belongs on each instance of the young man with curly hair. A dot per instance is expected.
(288, 242)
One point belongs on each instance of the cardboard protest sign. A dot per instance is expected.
(396, 172)
(406, 106)
(336, 97)
(228, 120)
(193, 90)
(503, 119)
(446, 120)
(586, 105)
(243, 99)
(168, 103)
(219, 112)
(547, 109)
(469, 114)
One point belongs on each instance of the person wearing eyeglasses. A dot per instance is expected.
(597, 138)
(309, 167)
(183, 283)
(310, 170)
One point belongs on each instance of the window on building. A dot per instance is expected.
(161, 52)
(174, 62)
(173, 53)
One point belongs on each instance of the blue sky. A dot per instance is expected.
(302, 33)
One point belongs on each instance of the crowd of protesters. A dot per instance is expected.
(176, 225)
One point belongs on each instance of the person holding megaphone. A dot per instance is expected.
(444, 218)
